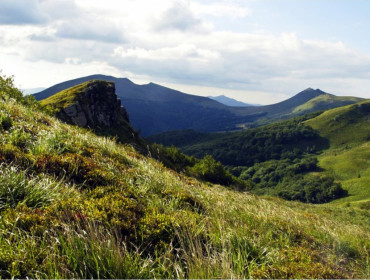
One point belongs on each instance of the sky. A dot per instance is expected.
(256, 51)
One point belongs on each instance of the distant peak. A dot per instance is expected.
(310, 89)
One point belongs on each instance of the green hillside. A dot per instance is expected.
(75, 205)
(325, 102)
(348, 159)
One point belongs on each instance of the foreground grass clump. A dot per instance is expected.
(82, 206)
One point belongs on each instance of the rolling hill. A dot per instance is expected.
(77, 205)
(154, 109)
(348, 159)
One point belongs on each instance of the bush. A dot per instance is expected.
(172, 157)
(8, 90)
(6, 122)
(312, 189)
(210, 170)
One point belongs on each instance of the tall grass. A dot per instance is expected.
(16, 187)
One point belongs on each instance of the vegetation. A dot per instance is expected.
(348, 159)
(289, 180)
(84, 206)
(273, 159)
(206, 169)
(64, 98)
(282, 140)
(328, 150)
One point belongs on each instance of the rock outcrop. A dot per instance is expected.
(95, 106)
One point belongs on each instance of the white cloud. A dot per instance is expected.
(82, 29)
(173, 42)
(180, 17)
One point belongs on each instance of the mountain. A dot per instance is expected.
(77, 205)
(154, 109)
(230, 101)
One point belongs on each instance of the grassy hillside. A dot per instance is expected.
(325, 102)
(348, 159)
(75, 205)
(65, 97)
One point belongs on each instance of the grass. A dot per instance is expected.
(102, 210)
(66, 97)
(17, 188)
(345, 126)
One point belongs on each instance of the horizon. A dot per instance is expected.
(253, 51)
(40, 89)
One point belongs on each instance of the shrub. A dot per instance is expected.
(210, 170)
(6, 122)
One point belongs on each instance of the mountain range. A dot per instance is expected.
(230, 101)
(154, 109)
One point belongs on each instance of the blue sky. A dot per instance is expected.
(257, 51)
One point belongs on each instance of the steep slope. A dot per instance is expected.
(95, 105)
(75, 205)
(154, 108)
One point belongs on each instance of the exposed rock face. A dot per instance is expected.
(96, 107)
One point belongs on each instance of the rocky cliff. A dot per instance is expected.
(94, 105)
(97, 106)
